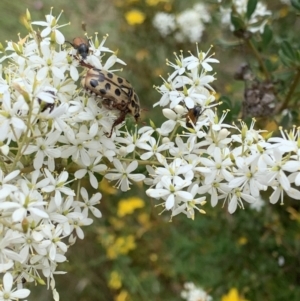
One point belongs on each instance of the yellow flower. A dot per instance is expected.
(123, 296)
(142, 54)
(126, 244)
(114, 280)
(122, 245)
(127, 206)
(242, 240)
(284, 11)
(134, 17)
(117, 223)
(104, 186)
(233, 295)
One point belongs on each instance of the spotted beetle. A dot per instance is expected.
(116, 93)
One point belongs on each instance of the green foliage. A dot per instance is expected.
(296, 4)
(251, 6)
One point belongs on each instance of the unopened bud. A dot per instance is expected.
(152, 124)
(25, 225)
(28, 15)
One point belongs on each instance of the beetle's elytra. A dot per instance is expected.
(116, 93)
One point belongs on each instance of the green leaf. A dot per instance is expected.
(296, 4)
(237, 22)
(267, 36)
(297, 57)
(226, 103)
(286, 60)
(251, 6)
(287, 50)
(271, 66)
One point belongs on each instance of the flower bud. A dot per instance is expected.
(25, 225)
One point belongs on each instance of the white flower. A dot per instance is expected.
(122, 173)
(168, 126)
(56, 62)
(77, 221)
(188, 207)
(153, 148)
(168, 90)
(190, 26)
(193, 293)
(172, 192)
(7, 293)
(58, 186)
(10, 118)
(33, 182)
(44, 148)
(247, 177)
(129, 142)
(26, 201)
(61, 214)
(179, 66)
(279, 193)
(175, 170)
(8, 239)
(164, 23)
(215, 189)
(5, 187)
(288, 142)
(235, 199)
(78, 145)
(218, 165)
(202, 59)
(51, 26)
(216, 139)
(53, 237)
(90, 170)
(97, 50)
(183, 149)
(32, 244)
(276, 167)
(89, 203)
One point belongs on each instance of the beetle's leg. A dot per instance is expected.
(119, 120)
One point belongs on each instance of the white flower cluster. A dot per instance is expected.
(193, 293)
(257, 21)
(46, 122)
(209, 157)
(188, 25)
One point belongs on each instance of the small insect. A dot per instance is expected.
(193, 115)
(116, 94)
(82, 46)
(47, 105)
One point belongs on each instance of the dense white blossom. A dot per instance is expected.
(187, 25)
(192, 292)
(165, 23)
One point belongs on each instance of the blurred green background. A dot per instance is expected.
(132, 252)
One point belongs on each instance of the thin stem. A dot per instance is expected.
(25, 140)
(3, 166)
(293, 86)
(259, 59)
(141, 162)
(174, 131)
